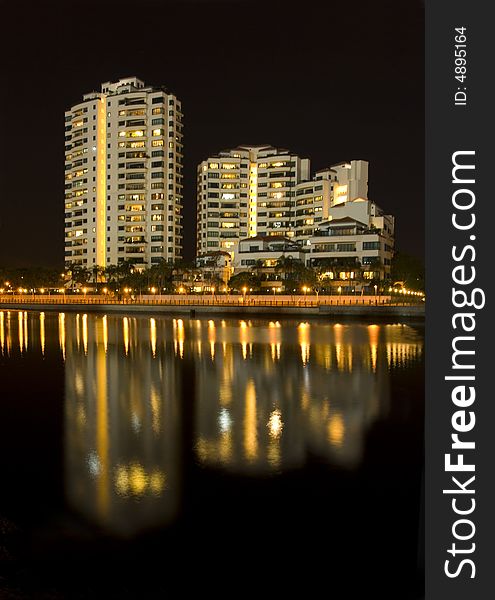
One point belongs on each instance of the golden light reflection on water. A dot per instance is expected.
(105, 332)
(336, 429)
(323, 399)
(153, 336)
(266, 394)
(85, 332)
(42, 332)
(20, 316)
(2, 331)
(125, 329)
(303, 330)
(61, 333)
(122, 426)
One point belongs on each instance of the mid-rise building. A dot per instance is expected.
(330, 187)
(245, 192)
(356, 242)
(266, 251)
(123, 176)
(265, 191)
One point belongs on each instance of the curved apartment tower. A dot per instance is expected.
(123, 176)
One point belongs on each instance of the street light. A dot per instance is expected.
(305, 289)
(244, 290)
(375, 286)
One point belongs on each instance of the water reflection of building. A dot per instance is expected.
(122, 428)
(267, 395)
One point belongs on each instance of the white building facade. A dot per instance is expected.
(245, 192)
(267, 191)
(265, 251)
(123, 176)
(356, 242)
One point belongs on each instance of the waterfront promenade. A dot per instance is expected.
(380, 306)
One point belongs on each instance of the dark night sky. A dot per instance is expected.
(331, 81)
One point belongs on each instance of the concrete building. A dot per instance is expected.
(330, 187)
(267, 191)
(265, 251)
(123, 176)
(216, 265)
(245, 192)
(356, 242)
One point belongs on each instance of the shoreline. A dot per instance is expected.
(382, 311)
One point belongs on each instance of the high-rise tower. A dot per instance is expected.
(123, 176)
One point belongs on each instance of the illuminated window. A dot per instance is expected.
(229, 165)
(156, 143)
(213, 165)
(157, 132)
(227, 225)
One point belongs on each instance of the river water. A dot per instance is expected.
(136, 438)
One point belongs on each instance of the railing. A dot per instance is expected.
(213, 300)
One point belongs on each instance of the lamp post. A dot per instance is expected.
(244, 290)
